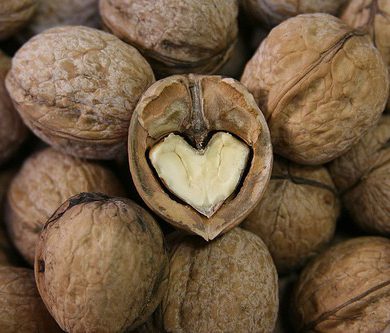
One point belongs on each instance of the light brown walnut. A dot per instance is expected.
(320, 84)
(22, 309)
(76, 88)
(227, 285)
(101, 264)
(12, 130)
(45, 181)
(176, 36)
(345, 289)
(14, 14)
(362, 176)
(297, 215)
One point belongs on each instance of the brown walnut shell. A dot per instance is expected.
(177, 37)
(22, 309)
(14, 14)
(12, 130)
(374, 17)
(273, 12)
(45, 181)
(362, 176)
(76, 88)
(345, 289)
(101, 264)
(197, 106)
(297, 215)
(227, 285)
(320, 84)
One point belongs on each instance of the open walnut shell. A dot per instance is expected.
(209, 112)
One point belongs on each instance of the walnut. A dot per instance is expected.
(362, 176)
(199, 152)
(176, 36)
(345, 289)
(46, 180)
(320, 84)
(101, 264)
(297, 215)
(14, 14)
(22, 310)
(76, 88)
(273, 12)
(372, 16)
(12, 130)
(227, 285)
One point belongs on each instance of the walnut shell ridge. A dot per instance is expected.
(297, 215)
(176, 37)
(320, 84)
(101, 264)
(76, 88)
(227, 285)
(345, 289)
(362, 176)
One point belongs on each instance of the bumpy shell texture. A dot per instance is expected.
(273, 12)
(195, 106)
(14, 14)
(374, 17)
(76, 88)
(12, 130)
(345, 289)
(320, 84)
(297, 215)
(228, 285)
(101, 264)
(362, 176)
(22, 310)
(45, 181)
(183, 36)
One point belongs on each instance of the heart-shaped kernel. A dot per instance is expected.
(202, 178)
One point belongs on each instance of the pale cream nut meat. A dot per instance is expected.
(202, 178)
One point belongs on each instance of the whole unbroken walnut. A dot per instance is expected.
(273, 12)
(101, 264)
(45, 181)
(12, 130)
(345, 289)
(227, 285)
(177, 37)
(320, 84)
(199, 152)
(22, 309)
(372, 16)
(297, 215)
(14, 14)
(362, 176)
(76, 88)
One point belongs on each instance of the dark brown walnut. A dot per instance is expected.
(45, 181)
(218, 137)
(372, 16)
(12, 130)
(22, 310)
(52, 13)
(76, 88)
(345, 289)
(228, 285)
(14, 14)
(320, 84)
(101, 264)
(177, 37)
(297, 215)
(273, 12)
(362, 176)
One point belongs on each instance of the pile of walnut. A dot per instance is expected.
(194, 166)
